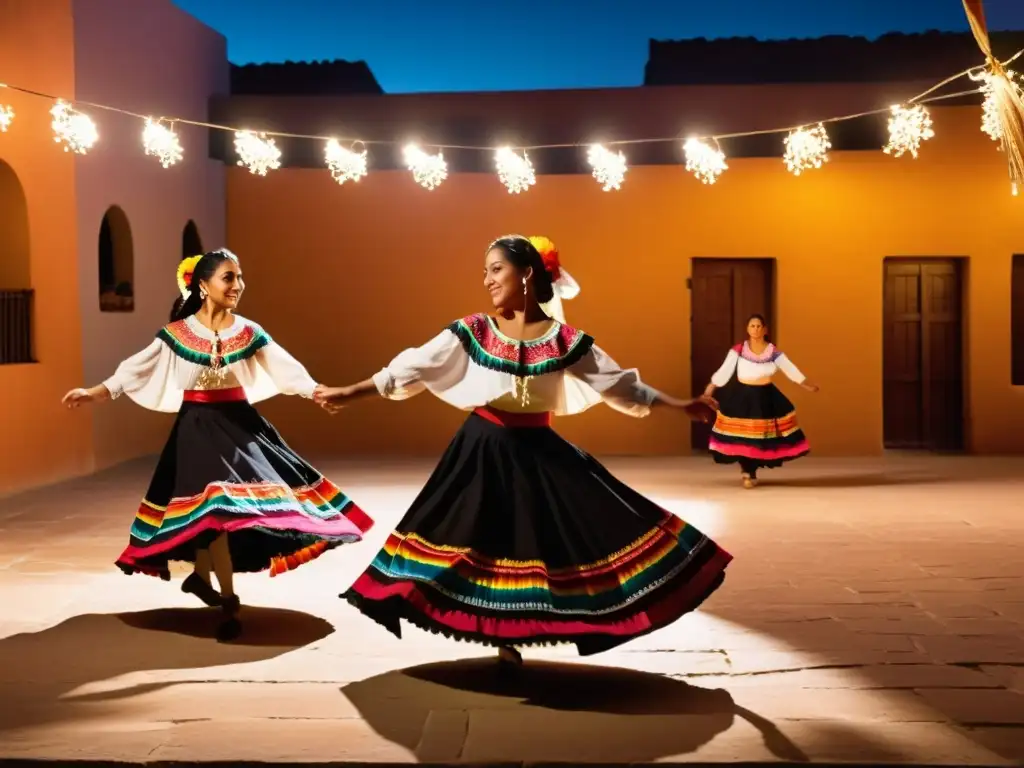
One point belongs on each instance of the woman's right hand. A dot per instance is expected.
(77, 397)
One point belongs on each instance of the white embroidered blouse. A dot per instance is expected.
(471, 364)
(180, 358)
(750, 367)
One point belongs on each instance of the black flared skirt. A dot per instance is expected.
(756, 425)
(520, 538)
(225, 469)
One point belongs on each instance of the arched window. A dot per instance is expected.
(15, 271)
(191, 243)
(116, 262)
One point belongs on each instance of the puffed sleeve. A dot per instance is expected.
(434, 365)
(288, 374)
(722, 375)
(785, 365)
(134, 374)
(620, 389)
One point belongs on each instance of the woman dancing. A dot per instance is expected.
(228, 494)
(520, 538)
(756, 424)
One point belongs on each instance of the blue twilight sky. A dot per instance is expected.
(459, 45)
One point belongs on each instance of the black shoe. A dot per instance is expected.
(231, 627)
(201, 588)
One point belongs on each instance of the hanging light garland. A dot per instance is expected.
(909, 127)
(345, 164)
(427, 170)
(515, 171)
(160, 141)
(76, 131)
(705, 162)
(257, 153)
(609, 167)
(806, 149)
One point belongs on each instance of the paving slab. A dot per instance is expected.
(874, 614)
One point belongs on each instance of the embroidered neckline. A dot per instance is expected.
(193, 341)
(237, 325)
(544, 337)
(769, 353)
(560, 347)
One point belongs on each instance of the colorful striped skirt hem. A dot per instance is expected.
(519, 538)
(756, 426)
(281, 515)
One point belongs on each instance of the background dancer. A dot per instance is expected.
(228, 494)
(756, 425)
(520, 538)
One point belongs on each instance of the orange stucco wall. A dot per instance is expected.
(101, 52)
(39, 443)
(118, 63)
(346, 277)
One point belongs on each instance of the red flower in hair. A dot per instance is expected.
(549, 255)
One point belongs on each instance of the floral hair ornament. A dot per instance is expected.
(185, 270)
(564, 286)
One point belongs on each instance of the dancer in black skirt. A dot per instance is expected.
(756, 424)
(520, 538)
(228, 494)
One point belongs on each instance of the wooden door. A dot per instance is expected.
(723, 294)
(922, 363)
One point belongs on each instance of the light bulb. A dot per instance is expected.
(609, 167)
(806, 148)
(77, 132)
(257, 153)
(161, 142)
(344, 164)
(705, 162)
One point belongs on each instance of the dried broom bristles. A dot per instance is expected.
(1004, 100)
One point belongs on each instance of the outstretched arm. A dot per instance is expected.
(131, 375)
(288, 374)
(794, 374)
(405, 376)
(624, 391)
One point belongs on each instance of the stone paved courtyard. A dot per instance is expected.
(874, 613)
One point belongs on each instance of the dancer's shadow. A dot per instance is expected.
(547, 712)
(40, 669)
(865, 480)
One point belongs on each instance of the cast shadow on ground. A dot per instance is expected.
(865, 480)
(549, 712)
(42, 668)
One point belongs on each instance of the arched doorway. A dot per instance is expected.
(191, 243)
(15, 271)
(116, 262)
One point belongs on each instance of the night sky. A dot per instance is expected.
(458, 45)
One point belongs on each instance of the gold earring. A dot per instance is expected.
(525, 291)
(202, 295)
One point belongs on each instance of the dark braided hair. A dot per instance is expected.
(522, 254)
(205, 269)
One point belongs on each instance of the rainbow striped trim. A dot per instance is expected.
(322, 501)
(756, 429)
(188, 345)
(593, 590)
(486, 346)
(318, 517)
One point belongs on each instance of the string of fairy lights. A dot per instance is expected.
(805, 148)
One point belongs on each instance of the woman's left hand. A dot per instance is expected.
(811, 387)
(700, 409)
